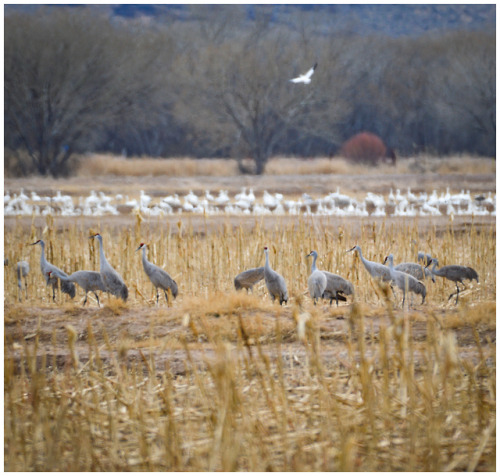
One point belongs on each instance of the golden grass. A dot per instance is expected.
(228, 381)
(103, 164)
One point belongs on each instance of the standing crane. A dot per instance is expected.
(248, 278)
(317, 280)
(405, 282)
(111, 279)
(45, 266)
(417, 270)
(159, 277)
(336, 287)
(87, 280)
(274, 281)
(22, 268)
(455, 273)
(376, 270)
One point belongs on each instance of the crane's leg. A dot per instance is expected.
(26, 287)
(336, 299)
(85, 300)
(157, 296)
(53, 293)
(97, 297)
(457, 292)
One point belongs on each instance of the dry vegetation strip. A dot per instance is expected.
(228, 381)
(103, 164)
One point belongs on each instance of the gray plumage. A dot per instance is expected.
(112, 280)
(160, 278)
(376, 270)
(23, 269)
(248, 278)
(416, 270)
(316, 281)
(87, 280)
(455, 273)
(336, 287)
(425, 258)
(275, 282)
(45, 266)
(406, 282)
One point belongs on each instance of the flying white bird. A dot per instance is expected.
(305, 78)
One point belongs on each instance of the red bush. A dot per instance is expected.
(365, 147)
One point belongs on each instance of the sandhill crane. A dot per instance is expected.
(159, 277)
(87, 280)
(111, 279)
(248, 278)
(405, 282)
(376, 270)
(455, 273)
(416, 270)
(317, 280)
(306, 77)
(336, 286)
(22, 268)
(275, 282)
(45, 266)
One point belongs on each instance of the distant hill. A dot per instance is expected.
(392, 20)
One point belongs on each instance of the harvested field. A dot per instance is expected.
(225, 380)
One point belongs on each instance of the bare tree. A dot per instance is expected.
(67, 76)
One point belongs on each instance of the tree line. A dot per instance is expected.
(216, 85)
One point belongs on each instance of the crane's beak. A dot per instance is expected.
(347, 251)
(385, 261)
(140, 247)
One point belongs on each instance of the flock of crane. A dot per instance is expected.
(246, 203)
(408, 277)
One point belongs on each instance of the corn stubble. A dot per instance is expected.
(228, 381)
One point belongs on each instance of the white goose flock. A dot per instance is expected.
(246, 203)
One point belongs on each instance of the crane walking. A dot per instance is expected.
(45, 266)
(317, 280)
(112, 280)
(455, 273)
(275, 282)
(336, 288)
(23, 269)
(405, 282)
(87, 280)
(159, 277)
(248, 278)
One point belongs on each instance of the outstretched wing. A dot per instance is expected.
(311, 71)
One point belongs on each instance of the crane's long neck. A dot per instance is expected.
(313, 266)
(390, 264)
(42, 255)
(434, 270)
(145, 261)
(267, 265)
(101, 251)
(362, 258)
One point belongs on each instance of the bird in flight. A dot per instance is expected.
(305, 78)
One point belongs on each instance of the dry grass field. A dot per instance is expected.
(226, 380)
